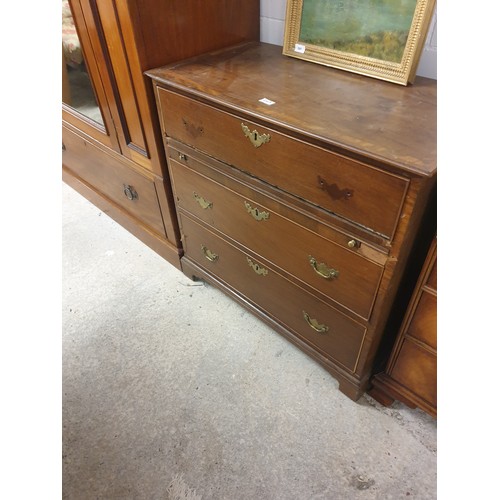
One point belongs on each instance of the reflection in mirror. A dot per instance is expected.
(77, 90)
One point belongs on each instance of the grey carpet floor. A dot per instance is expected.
(164, 378)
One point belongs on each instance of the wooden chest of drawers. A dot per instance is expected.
(299, 191)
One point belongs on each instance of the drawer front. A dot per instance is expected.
(423, 325)
(279, 298)
(416, 369)
(350, 189)
(432, 279)
(116, 181)
(337, 272)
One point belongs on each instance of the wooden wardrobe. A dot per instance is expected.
(111, 141)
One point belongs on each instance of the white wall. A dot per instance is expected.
(272, 28)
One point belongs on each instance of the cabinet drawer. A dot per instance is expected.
(432, 279)
(358, 192)
(333, 270)
(279, 298)
(416, 369)
(115, 180)
(423, 325)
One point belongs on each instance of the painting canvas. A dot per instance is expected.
(380, 38)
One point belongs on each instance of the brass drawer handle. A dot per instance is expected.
(256, 213)
(354, 244)
(261, 271)
(130, 192)
(334, 191)
(322, 269)
(202, 202)
(182, 157)
(255, 138)
(314, 324)
(212, 257)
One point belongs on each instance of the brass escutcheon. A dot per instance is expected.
(314, 324)
(256, 213)
(334, 191)
(212, 257)
(322, 269)
(202, 202)
(255, 138)
(261, 271)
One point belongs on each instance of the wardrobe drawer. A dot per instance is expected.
(335, 271)
(356, 191)
(114, 179)
(327, 330)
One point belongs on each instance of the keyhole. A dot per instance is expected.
(255, 136)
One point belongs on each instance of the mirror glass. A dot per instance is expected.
(77, 89)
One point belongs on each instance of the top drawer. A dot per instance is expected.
(353, 190)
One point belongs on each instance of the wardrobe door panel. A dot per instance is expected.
(84, 98)
(134, 144)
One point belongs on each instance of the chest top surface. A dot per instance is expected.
(388, 123)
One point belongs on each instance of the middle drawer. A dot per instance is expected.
(331, 269)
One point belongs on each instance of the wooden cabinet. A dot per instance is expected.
(112, 146)
(299, 191)
(411, 372)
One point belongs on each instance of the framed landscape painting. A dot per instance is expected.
(378, 38)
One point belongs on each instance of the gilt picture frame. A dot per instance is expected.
(377, 38)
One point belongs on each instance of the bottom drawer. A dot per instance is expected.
(416, 369)
(328, 331)
(114, 179)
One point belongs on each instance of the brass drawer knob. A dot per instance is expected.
(255, 138)
(130, 192)
(354, 244)
(209, 255)
(182, 157)
(322, 269)
(261, 271)
(256, 213)
(317, 327)
(202, 202)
